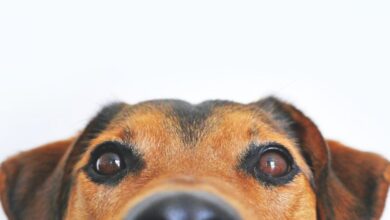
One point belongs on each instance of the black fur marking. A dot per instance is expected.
(323, 194)
(249, 164)
(191, 118)
(132, 163)
(98, 124)
(371, 187)
(283, 118)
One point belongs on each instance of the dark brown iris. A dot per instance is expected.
(108, 164)
(273, 163)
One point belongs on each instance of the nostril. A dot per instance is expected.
(183, 206)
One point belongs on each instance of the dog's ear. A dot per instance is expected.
(24, 184)
(365, 175)
(349, 184)
(35, 184)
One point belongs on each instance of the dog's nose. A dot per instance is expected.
(183, 206)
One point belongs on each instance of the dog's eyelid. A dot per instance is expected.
(114, 142)
(110, 141)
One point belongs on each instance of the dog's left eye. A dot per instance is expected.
(274, 163)
(271, 164)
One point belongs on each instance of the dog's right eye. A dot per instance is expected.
(111, 161)
(109, 164)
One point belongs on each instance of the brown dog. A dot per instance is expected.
(171, 160)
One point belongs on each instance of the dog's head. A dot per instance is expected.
(175, 161)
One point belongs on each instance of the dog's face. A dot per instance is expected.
(175, 161)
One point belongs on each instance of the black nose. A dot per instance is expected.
(183, 206)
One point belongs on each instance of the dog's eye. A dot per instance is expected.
(108, 164)
(270, 164)
(274, 163)
(111, 161)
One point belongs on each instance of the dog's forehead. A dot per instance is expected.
(187, 121)
(181, 123)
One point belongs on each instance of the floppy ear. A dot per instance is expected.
(26, 184)
(365, 175)
(349, 184)
(36, 184)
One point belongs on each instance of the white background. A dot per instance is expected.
(61, 61)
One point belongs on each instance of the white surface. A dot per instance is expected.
(61, 61)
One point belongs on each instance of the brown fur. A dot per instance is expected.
(335, 182)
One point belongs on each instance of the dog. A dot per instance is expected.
(168, 159)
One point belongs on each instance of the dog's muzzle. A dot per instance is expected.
(183, 206)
